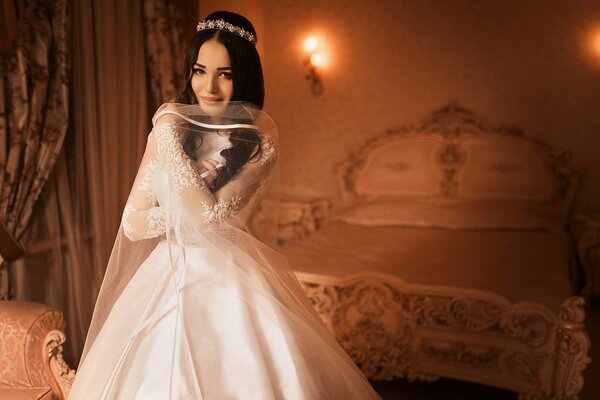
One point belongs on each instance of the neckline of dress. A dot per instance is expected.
(202, 124)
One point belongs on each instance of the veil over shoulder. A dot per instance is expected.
(195, 303)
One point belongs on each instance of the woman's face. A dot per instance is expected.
(211, 77)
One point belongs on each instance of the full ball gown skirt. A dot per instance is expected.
(194, 307)
(220, 339)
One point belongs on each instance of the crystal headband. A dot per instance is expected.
(226, 26)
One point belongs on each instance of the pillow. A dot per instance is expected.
(451, 215)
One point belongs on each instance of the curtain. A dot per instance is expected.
(165, 50)
(8, 24)
(79, 215)
(127, 59)
(33, 115)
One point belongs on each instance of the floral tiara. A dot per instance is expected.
(226, 26)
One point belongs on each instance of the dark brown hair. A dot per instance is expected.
(248, 85)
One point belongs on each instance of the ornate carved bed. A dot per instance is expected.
(449, 257)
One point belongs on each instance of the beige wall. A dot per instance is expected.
(518, 62)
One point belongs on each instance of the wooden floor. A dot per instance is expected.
(448, 389)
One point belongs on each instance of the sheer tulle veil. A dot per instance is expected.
(256, 187)
(200, 257)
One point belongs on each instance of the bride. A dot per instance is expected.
(193, 305)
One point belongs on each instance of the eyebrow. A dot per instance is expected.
(218, 69)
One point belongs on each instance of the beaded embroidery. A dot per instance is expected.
(127, 227)
(156, 221)
(145, 184)
(269, 150)
(221, 210)
(183, 174)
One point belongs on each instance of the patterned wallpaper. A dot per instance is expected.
(522, 63)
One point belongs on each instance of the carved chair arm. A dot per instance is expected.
(31, 338)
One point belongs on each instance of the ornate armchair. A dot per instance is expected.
(31, 363)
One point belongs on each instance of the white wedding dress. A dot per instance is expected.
(193, 306)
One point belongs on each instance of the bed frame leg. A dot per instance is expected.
(571, 354)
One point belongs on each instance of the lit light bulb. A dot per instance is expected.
(596, 43)
(313, 62)
(317, 60)
(310, 44)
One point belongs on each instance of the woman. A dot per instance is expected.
(192, 305)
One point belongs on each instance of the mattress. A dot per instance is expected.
(522, 266)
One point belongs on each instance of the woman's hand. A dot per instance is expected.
(208, 170)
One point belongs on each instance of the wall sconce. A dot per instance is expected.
(313, 61)
(596, 43)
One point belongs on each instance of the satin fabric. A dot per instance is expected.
(219, 340)
(194, 306)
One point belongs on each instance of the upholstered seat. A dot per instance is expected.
(31, 363)
(26, 393)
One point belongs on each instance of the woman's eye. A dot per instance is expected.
(198, 71)
(226, 75)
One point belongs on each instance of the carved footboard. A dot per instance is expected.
(395, 329)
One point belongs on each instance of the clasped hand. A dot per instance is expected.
(208, 170)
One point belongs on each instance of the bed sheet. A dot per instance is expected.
(523, 266)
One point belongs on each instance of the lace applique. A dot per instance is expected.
(269, 150)
(145, 184)
(183, 174)
(221, 210)
(127, 227)
(156, 221)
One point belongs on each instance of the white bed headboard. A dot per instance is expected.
(455, 156)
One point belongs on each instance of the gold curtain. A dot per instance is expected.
(127, 58)
(165, 51)
(33, 114)
(79, 215)
(8, 24)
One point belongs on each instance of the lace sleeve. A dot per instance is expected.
(143, 224)
(248, 184)
(181, 171)
(143, 218)
(206, 208)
